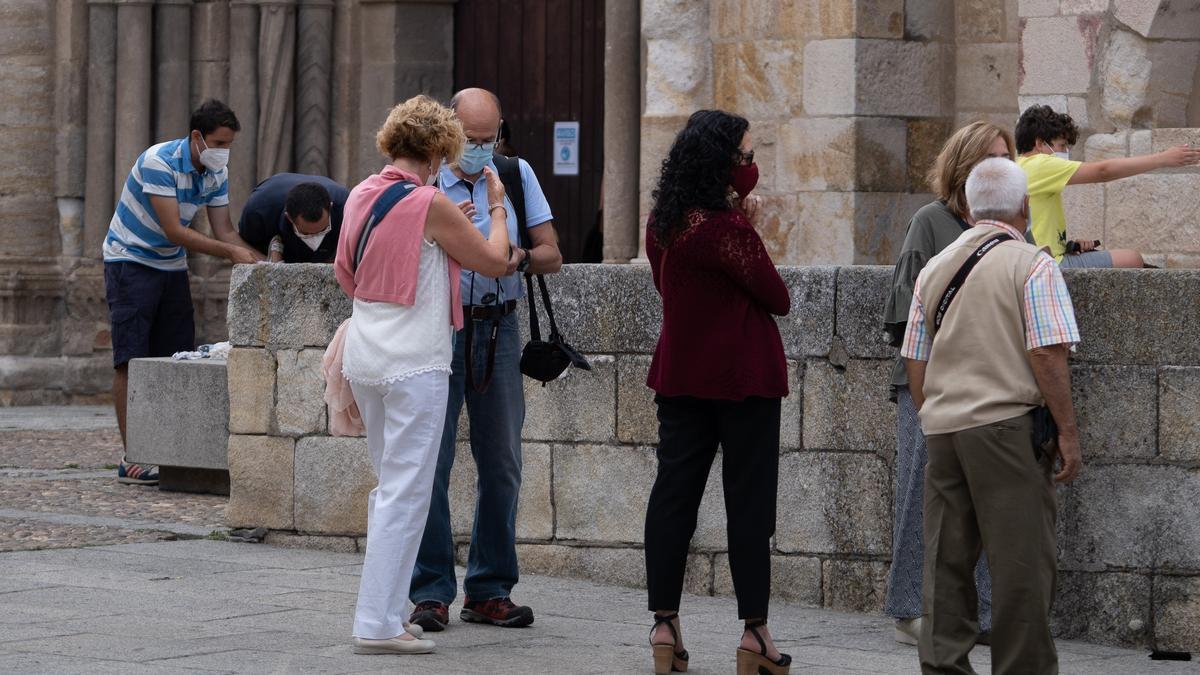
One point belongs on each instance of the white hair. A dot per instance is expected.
(996, 190)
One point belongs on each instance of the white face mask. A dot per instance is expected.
(213, 159)
(313, 241)
(1063, 155)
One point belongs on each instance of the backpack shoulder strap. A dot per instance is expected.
(383, 204)
(509, 171)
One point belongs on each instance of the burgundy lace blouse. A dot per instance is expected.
(719, 289)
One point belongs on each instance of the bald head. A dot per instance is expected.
(477, 104)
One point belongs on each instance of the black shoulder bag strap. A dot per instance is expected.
(383, 203)
(961, 276)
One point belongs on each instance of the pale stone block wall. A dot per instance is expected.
(1128, 546)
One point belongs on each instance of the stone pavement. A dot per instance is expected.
(220, 607)
(58, 486)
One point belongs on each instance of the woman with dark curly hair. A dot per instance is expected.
(719, 374)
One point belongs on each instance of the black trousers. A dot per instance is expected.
(689, 431)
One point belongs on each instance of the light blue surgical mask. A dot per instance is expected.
(475, 157)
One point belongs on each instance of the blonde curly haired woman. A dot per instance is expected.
(934, 227)
(403, 279)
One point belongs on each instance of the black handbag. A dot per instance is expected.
(542, 360)
(547, 360)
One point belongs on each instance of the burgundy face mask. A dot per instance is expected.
(745, 177)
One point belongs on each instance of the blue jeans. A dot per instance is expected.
(495, 419)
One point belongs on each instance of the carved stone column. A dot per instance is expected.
(135, 37)
(173, 68)
(243, 98)
(347, 64)
(276, 70)
(70, 117)
(210, 52)
(313, 95)
(101, 118)
(622, 128)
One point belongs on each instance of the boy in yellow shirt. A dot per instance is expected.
(1044, 138)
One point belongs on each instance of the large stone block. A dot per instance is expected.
(1177, 613)
(897, 77)
(1168, 201)
(925, 139)
(1130, 516)
(678, 76)
(261, 479)
(606, 309)
(251, 374)
(986, 75)
(1101, 607)
(1125, 73)
(1117, 409)
(675, 19)
(810, 228)
(1165, 139)
(880, 149)
(637, 415)
(1158, 19)
(1084, 208)
(880, 18)
(830, 77)
(288, 306)
(980, 21)
(794, 578)
(580, 407)
(1162, 334)
(1032, 8)
(932, 21)
(879, 224)
(848, 408)
(178, 413)
(300, 392)
(818, 154)
(1178, 421)
(854, 585)
(535, 512)
(619, 566)
(834, 503)
(333, 478)
(862, 292)
(1062, 63)
(758, 79)
(807, 330)
(616, 511)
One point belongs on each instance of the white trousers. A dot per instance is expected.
(404, 431)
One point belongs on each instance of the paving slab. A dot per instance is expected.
(247, 608)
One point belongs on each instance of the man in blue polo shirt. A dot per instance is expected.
(145, 251)
(497, 413)
(294, 218)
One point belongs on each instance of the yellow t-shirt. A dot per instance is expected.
(1048, 175)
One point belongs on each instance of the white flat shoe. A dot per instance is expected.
(393, 646)
(908, 631)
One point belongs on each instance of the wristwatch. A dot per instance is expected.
(524, 264)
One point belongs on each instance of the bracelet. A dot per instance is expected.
(493, 207)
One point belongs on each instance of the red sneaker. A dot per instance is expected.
(497, 611)
(431, 615)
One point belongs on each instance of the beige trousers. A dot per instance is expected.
(985, 489)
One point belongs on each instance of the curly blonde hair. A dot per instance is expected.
(421, 128)
(962, 151)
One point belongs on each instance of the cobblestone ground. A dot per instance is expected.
(58, 488)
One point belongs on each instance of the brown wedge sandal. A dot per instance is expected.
(666, 659)
(750, 662)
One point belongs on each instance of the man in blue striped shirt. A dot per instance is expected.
(145, 251)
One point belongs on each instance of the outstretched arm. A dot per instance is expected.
(1124, 167)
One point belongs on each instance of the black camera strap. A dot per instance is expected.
(960, 277)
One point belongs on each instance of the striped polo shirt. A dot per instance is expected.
(165, 170)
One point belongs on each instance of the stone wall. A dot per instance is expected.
(849, 102)
(1129, 549)
(1126, 71)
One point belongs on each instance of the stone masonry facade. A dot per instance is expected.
(1128, 549)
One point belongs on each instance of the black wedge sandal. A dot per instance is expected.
(750, 662)
(666, 659)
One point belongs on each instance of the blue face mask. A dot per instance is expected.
(474, 158)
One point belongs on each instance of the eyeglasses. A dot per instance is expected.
(484, 145)
(745, 158)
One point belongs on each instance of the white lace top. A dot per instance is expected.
(386, 342)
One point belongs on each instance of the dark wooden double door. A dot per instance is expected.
(545, 60)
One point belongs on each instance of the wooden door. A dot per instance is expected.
(545, 60)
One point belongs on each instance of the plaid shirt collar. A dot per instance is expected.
(1005, 227)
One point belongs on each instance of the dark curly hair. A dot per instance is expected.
(696, 172)
(1041, 122)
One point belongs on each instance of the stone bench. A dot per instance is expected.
(178, 418)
